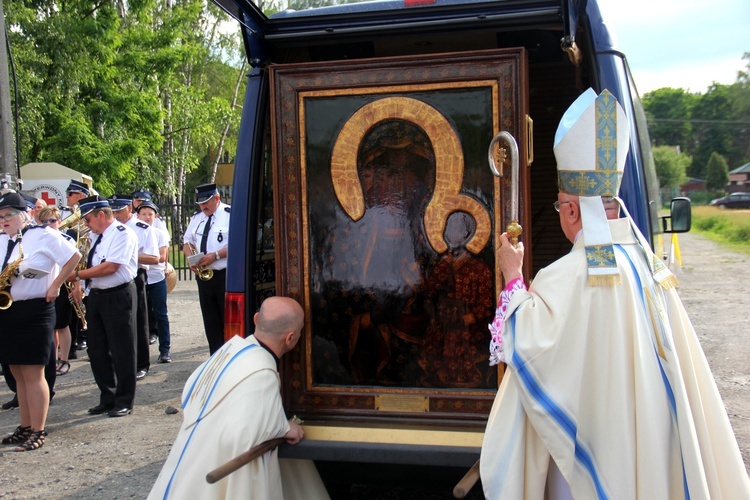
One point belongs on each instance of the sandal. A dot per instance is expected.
(34, 441)
(63, 367)
(19, 435)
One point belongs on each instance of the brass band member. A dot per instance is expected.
(110, 309)
(208, 232)
(27, 333)
(50, 217)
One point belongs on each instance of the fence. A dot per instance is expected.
(177, 216)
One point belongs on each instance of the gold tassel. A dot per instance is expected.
(669, 282)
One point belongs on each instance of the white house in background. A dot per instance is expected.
(49, 181)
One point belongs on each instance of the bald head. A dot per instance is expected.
(279, 323)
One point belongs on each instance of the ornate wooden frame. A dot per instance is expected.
(500, 73)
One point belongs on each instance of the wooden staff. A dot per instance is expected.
(466, 483)
(223, 471)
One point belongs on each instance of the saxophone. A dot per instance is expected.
(82, 243)
(10, 272)
(204, 274)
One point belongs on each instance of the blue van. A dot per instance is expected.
(362, 188)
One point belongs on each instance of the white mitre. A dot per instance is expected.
(591, 145)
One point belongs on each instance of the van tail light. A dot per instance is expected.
(414, 3)
(234, 315)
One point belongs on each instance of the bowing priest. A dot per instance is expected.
(231, 404)
(608, 393)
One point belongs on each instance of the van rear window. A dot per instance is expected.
(296, 9)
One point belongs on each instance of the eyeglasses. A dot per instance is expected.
(9, 216)
(557, 205)
(49, 221)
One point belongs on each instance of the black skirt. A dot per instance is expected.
(63, 309)
(27, 332)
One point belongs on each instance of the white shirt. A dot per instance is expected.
(119, 244)
(147, 242)
(218, 233)
(160, 224)
(44, 249)
(155, 272)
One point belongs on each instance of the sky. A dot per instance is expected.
(686, 44)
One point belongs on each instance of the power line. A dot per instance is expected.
(700, 122)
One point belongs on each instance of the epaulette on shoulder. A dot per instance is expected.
(28, 228)
(120, 227)
(67, 237)
(227, 209)
(142, 225)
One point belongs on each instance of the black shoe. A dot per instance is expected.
(152, 339)
(100, 409)
(165, 357)
(13, 403)
(82, 345)
(72, 355)
(119, 412)
(141, 374)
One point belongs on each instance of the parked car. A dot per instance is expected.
(734, 200)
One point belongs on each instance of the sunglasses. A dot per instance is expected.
(49, 221)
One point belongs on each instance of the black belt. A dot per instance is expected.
(96, 291)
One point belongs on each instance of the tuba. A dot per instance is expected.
(10, 272)
(203, 273)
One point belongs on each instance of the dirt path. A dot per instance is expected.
(100, 457)
(715, 289)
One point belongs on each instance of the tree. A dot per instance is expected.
(714, 129)
(133, 93)
(717, 172)
(671, 166)
(668, 112)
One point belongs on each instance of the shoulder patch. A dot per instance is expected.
(142, 224)
(120, 227)
(227, 209)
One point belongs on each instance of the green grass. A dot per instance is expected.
(728, 227)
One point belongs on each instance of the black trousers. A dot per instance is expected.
(211, 297)
(141, 322)
(111, 338)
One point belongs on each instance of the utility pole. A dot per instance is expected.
(7, 156)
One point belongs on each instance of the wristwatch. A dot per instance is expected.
(78, 278)
(216, 254)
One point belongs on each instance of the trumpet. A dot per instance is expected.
(10, 272)
(204, 273)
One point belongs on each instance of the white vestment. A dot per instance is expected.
(231, 403)
(611, 383)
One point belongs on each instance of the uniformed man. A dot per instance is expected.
(208, 233)
(148, 254)
(140, 196)
(110, 311)
(76, 191)
(35, 205)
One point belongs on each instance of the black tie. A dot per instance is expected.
(204, 238)
(11, 245)
(90, 258)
